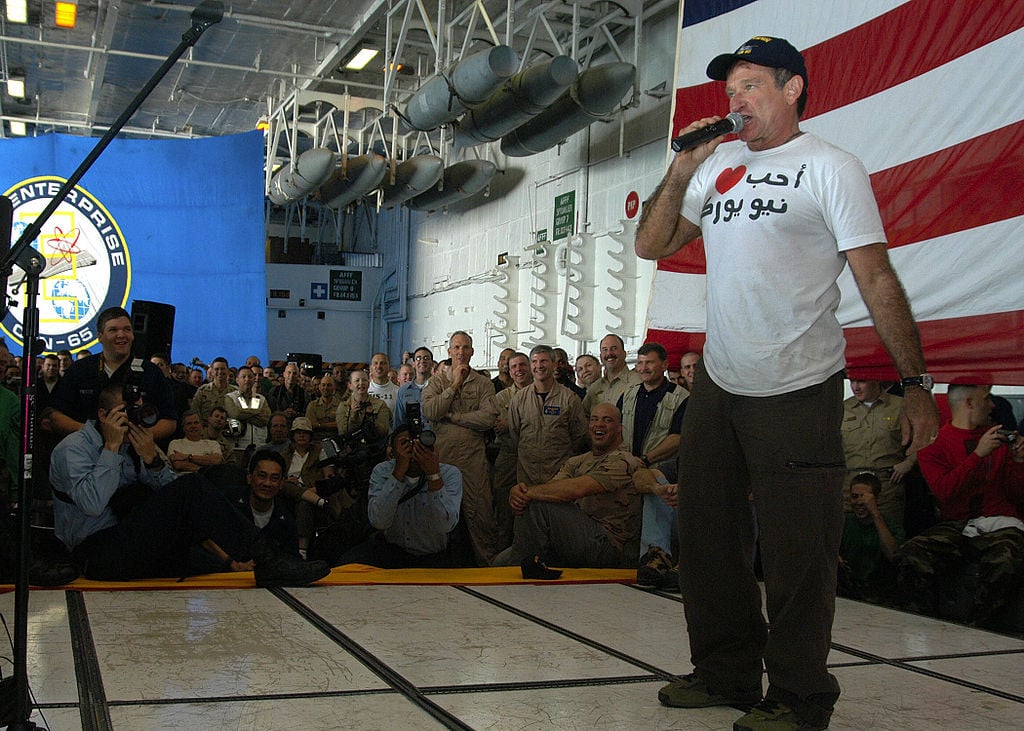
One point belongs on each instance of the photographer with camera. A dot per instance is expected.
(75, 398)
(125, 515)
(414, 506)
(976, 471)
(361, 412)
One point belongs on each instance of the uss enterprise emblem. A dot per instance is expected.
(87, 264)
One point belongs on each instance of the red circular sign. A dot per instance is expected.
(632, 204)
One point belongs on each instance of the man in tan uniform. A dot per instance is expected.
(546, 422)
(872, 442)
(503, 473)
(617, 377)
(323, 411)
(589, 513)
(456, 403)
(212, 394)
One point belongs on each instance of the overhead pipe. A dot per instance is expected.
(302, 176)
(596, 93)
(519, 99)
(460, 180)
(412, 177)
(471, 81)
(359, 177)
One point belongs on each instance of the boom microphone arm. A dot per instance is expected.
(33, 264)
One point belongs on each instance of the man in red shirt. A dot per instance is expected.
(976, 471)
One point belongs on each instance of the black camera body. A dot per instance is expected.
(414, 420)
(1008, 435)
(140, 414)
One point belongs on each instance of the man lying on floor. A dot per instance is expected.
(124, 514)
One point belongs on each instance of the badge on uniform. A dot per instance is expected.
(552, 410)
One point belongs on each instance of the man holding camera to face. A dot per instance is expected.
(414, 505)
(125, 515)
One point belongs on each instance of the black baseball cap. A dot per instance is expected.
(777, 53)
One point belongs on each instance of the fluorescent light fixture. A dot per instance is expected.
(362, 58)
(17, 11)
(17, 128)
(16, 86)
(67, 10)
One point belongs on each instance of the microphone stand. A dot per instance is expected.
(32, 262)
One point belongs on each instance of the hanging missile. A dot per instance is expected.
(460, 180)
(442, 98)
(521, 98)
(363, 174)
(596, 93)
(412, 177)
(301, 176)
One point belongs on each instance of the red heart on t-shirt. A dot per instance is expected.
(729, 177)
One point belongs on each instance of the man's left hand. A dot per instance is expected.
(142, 442)
(426, 457)
(920, 419)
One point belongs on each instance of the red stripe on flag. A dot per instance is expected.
(981, 349)
(962, 187)
(894, 47)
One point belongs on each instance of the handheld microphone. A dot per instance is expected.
(733, 122)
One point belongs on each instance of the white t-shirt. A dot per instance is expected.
(385, 393)
(775, 224)
(195, 448)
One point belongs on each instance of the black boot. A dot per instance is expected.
(273, 567)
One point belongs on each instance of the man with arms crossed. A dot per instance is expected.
(770, 394)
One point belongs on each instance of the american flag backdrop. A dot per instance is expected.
(930, 95)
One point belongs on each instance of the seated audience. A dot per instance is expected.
(976, 473)
(216, 423)
(124, 514)
(277, 433)
(414, 507)
(302, 472)
(194, 451)
(870, 542)
(589, 513)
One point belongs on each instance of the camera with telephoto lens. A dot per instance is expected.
(142, 414)
(1009, 435)
(353, 455)
(414, 420)
(234, 429)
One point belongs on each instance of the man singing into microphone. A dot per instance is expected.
(781, 213)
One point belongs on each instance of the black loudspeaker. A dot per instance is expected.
(153, 324)
(309, 362)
